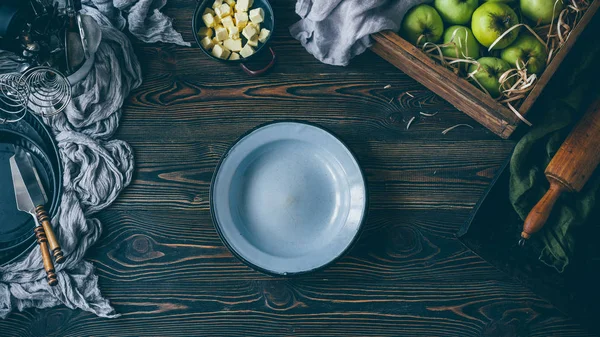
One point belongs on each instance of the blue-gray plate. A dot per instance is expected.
(16, 227)
(288, 198)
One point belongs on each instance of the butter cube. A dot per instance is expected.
(246, 51)
(234, 56)
(220, 52)
(208, 11)
(207, 43)
(249, 32)
(205, 31)
(223, 11)
(228, 22)
(255, 25)
(241, 19)
(217, 3)
(264, 35)
(243, 5)
(231, 3)
(257, 15)
(215, 41)
(253, 41)
(209, 20)
(234, 33)
(233, 45)
(221, 33)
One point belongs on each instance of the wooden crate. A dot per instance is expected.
(458, 91)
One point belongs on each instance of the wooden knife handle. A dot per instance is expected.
(537, 217)
(46, 259)
(44, 219)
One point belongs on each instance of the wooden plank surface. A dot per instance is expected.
(164, 268)
(458, 91)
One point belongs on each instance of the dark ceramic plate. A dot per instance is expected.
(16, 227)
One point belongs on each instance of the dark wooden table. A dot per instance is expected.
(164, 268)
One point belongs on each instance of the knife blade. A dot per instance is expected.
(31, 197)
(29, 191)
(25, 202)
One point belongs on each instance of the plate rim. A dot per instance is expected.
(44, 132)
(55, 177)
(350, 245)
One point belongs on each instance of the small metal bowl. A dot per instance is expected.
(288, 198)
(268, 23)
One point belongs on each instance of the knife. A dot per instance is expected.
(31, 198)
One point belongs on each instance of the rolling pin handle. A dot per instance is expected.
(541, 211)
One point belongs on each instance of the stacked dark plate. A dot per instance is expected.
(16, 227)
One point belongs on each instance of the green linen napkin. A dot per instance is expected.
(556, 116)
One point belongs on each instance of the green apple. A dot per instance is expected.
(505, 1)
(527, 50)
(541, 11)
(456, 12)
(422, 20)
(466, 44)
(490, 70)
(491, 20)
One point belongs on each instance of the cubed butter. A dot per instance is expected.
(205, 31)
(228, 22)
(217, 3)
(234, 33)
(208, 10)
(231, 3)
(255, 25)
(249, 32)
(221, 33)
(226, 10)
(241, 19)
(223, 11)
(233, 45)
(220, 52)
(253, 41)
(246, 51)
(215, 41)
(257, 15)
(264, 35)
(207, 43)
(209, 20)
(234, 56)
(243, 5)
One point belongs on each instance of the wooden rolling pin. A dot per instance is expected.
(569, 169)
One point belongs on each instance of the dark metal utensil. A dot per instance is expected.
(31, 198)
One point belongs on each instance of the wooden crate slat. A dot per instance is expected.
(459, 92)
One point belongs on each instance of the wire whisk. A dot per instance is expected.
(49, 91)
(14, 97)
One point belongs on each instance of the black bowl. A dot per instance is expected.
(268, 23)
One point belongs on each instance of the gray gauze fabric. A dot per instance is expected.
(334, 31)
(96, 168)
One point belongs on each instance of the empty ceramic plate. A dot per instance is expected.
(288, 198)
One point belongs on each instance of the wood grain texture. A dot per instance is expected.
(458, 91)
(162, 265)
